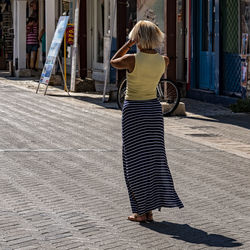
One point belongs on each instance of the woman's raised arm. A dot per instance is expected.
(122, 61)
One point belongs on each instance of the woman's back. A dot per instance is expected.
(143, 80)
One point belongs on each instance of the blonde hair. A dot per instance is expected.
(147, 35)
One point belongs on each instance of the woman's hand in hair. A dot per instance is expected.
(130, 43)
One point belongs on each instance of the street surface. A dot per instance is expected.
(62, 184)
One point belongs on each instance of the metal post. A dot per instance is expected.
(65, 62)
(64, 80)
(107, 64)
(74, 49)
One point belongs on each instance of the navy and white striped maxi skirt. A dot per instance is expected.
(148, 178)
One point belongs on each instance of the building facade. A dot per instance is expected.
(94, 32)
(207, 41)
(220, 47)
(95, 26)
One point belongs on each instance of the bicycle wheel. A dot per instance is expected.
(169, 95)
(121, 93)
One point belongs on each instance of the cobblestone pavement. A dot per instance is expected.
(62, 184)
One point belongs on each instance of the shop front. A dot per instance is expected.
(32, 35)
(220, 47)
(94, 38)
(205, 47)
(98, 36)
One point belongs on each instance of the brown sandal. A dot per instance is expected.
(149, 216)
(137, 218)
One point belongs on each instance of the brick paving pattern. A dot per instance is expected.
(62, 183)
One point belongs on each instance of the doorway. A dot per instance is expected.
(98, 31)
(207, 45)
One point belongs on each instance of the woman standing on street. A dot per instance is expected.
(148, 178)
(32, 43)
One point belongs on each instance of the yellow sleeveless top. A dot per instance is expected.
(143, 80)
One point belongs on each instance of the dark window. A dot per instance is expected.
(205, 25)
(213, 27)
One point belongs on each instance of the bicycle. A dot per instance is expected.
(167, 92)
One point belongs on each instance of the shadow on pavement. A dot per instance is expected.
(190, 234)
(96, 100)
(241, 120)
(217, 112)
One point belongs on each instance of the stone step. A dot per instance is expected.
(85, 85)
(180, 110)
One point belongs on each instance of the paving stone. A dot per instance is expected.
(62, 184)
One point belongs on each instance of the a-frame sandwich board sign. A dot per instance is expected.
(53, 53)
